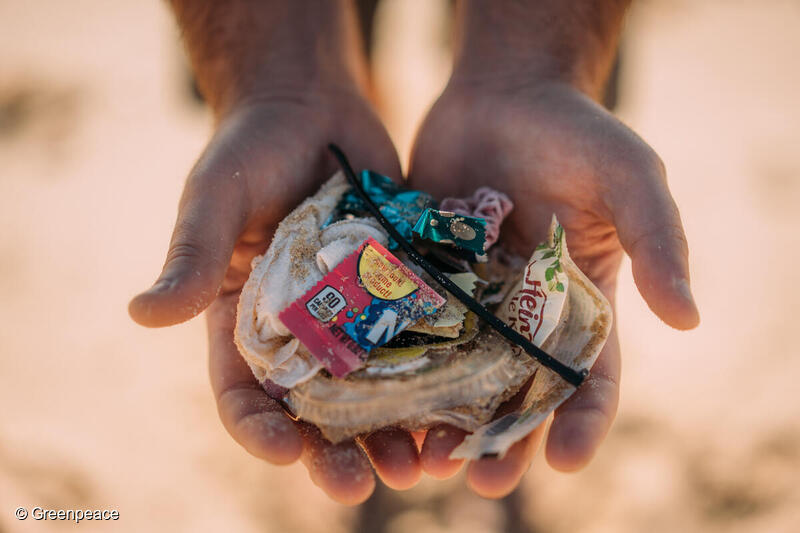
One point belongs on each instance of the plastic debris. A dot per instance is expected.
(402, 207)
(448, 320)
(486, 203)
(364, 302)
(466, 233)
(412, 379)
(551, 289)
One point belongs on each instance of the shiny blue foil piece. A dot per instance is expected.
(402, 207)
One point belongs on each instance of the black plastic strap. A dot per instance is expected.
(569, 374)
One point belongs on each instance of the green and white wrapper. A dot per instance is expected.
(557, 308)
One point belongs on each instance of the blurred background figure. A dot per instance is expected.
(98, 128)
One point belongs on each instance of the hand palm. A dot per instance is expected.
(552, 150)
(263, 160)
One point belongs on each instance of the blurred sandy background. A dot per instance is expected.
(97, 130)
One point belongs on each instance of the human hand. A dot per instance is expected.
(262, 162)
(267, 154)
(554, 150)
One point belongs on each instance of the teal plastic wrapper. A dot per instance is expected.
(467, 234)
(402, 207)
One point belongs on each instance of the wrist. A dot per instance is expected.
(518, 45)
(243, 51)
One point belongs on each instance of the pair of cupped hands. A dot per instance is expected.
(547, 145)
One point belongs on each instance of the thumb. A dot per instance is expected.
(650, 230)
(211, 216)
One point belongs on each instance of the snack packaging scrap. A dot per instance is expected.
(467, 234)
(486, 203)
(557, 308)
(365, 301)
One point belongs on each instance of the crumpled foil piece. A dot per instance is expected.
(402, 207)
(486, 203)
(467, 234)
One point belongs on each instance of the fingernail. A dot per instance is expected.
(682, 286)
(160, 285)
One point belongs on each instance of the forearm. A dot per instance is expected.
(572, 41)
(243, 49)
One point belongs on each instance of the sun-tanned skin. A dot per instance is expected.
(519, 114)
